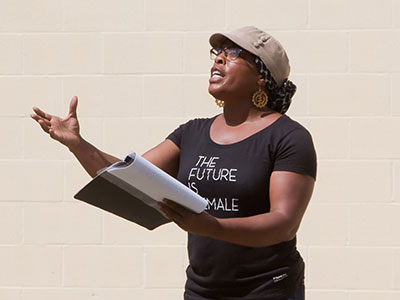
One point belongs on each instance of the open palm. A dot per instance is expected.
(66, 131)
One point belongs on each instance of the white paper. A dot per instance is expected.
(157, 184)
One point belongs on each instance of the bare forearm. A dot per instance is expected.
(290, 194)
(91, 158)
(256, 231)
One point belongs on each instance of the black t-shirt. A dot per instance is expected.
(235, 179)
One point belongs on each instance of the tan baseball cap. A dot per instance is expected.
(260, 44)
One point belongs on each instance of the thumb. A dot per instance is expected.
(73, 106)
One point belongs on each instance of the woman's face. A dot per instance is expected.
(233, 77)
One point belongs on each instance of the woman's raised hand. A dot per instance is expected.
(66, 131)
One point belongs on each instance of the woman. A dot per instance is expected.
(254, 165)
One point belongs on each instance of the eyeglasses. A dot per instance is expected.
(231, 53)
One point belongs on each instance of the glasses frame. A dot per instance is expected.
(215, 52)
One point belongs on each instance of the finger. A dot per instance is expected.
(37, 118)
(52, 133)
(73, 106)
(176, 207)
(41, 113)
(170, 213)
(166, 213)
(170, 205)
(43, 125)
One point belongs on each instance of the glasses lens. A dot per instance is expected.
(232, 52)
(214, 53)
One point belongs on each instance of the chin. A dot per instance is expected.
(215, 92)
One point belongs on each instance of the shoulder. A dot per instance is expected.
(201, 121)
(189, 130)
(295, 149)
(196, 124)
(288, 126)
(286, 130)
(290, 132)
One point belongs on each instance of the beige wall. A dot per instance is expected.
(140, 69)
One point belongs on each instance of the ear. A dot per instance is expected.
(261, 82)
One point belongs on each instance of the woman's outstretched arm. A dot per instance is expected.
(66, 131)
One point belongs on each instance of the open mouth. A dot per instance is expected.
(216, 74)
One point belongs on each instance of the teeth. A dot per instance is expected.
(216, 73)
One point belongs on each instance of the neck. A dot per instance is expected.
(240, 112)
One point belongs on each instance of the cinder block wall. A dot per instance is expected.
(140, 68)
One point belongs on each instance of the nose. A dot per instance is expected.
(220, 59)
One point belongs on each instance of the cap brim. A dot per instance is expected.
(217, 39)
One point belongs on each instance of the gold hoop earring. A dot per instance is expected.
(220, 103)
(260, 98)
